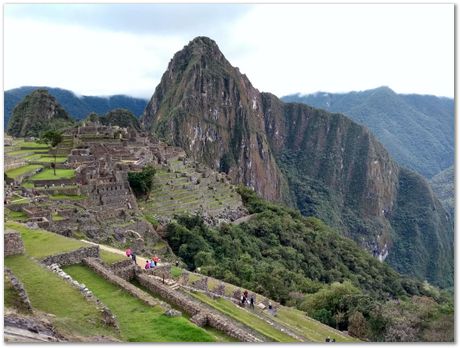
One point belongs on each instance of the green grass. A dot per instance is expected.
(245, 317)
(176, 272)
(15, 215)
(311, 329)
(14, 173)
(40, 243)
(51, 294)
(219, 336)
(48, 159)
(11, 297)
(21, 200)
(57, 217)
(68, 197)
(48, 174)
(19, 152)
(139, 322)
(34, 145)
(109, 257)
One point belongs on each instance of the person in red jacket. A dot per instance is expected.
(128, 252)
(147, 264)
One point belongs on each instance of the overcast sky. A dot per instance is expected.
(105, 49)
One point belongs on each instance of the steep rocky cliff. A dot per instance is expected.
(37, 112)
(323, 163)
(210, 109)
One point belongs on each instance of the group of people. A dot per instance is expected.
(328, 339)
(152, 263)
(244, 299)
(148, 263)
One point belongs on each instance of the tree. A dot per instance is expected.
(357, 325)
(142, 182)
(53, 138)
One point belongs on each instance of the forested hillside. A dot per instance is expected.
(417, 130)
(77, 106)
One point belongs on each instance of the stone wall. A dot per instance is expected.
(13, 243)
(58, 182)
(125, 269)
(114, 279)
(201, 315)
(72, 257)
(19, 288)
(58, 190)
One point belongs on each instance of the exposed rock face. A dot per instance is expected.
(334, 168)
(37, 112)
(211, 110)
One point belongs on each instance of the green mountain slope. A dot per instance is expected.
(417, 130)
(443, 186)
(37, 112)
(302, 262)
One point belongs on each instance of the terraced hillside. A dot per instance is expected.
(182, 186)
(75, 315)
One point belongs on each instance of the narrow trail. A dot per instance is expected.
(140, 260)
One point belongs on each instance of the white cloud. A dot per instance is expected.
(282, 48)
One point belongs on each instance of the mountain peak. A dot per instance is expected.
(203, 41)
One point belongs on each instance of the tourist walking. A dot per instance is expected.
(133, 256)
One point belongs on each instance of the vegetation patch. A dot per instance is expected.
(48, 174)
(245, 317)
(15, 215)
(109, 257)
(14, 173)
(51, 294)
(68, 197)
(138, 322)
(40, 243)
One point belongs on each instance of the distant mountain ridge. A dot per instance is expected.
(417, 130)
(77, 106)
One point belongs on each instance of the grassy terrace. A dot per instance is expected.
(15, 215)
(110, 258)
(174, 193)
(245, 317)
(68, 197)
(48, 174)
(48, 159)
(31, 145)
(139, 322)
(51, 294)
(14, 173)
(308, 327)
(40, 243)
